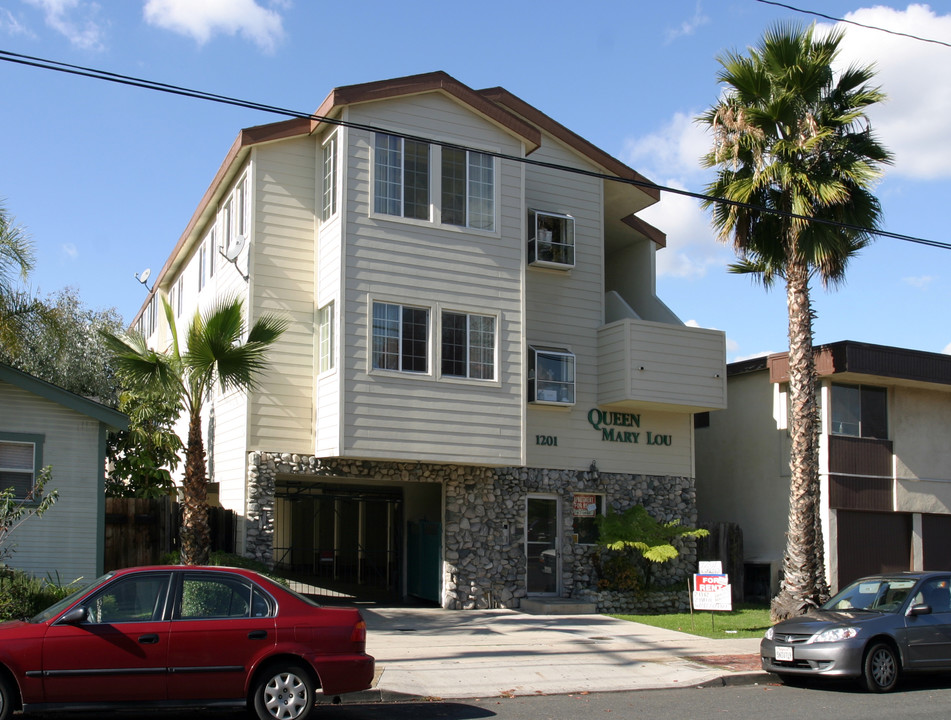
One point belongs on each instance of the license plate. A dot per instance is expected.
(784, 654)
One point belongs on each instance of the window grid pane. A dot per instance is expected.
(325, 338)
(453, 186)
(329, 204)
(454, 344)
(481, 347)
(415, 331)
(416, 180)
(388, 167)
(386, 336)
(481, 191)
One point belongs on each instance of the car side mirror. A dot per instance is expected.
(920, 609)
(75, 616)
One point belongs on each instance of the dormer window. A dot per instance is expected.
(551, 239)
(551, 376)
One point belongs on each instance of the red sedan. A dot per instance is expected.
(183, 636)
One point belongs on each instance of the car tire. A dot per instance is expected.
(880, 668)
(284, 692)
(8, 697)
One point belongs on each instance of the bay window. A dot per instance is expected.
(551, 376)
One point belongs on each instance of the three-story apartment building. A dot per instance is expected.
(477, 363)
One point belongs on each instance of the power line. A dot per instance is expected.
(129, 80)
(853, 22)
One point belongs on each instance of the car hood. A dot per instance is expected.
(822, 619)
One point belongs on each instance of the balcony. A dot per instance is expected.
(661, 366)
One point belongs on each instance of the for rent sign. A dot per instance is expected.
(712, 592)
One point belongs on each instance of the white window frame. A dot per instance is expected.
(469, 361)
(543, 249)
(551, 390)
(329, 167)
(202, 265)
(325, 338)
(177, 293)
(26, 443)
(435, 177)
(400, 352)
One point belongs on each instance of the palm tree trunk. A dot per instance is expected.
(195, 534)
(803, 583)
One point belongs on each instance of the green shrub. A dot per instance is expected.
(23, 596)
(618, 572)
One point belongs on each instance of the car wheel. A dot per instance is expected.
(880, 669)
(8, 698)
(283, 693)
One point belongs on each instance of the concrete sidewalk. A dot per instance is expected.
(432, 652)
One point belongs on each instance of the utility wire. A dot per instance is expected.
(852, 22)
(120, 79)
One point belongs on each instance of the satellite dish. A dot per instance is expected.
(143, 278)
(235, 247)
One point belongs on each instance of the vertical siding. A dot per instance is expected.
(66, 540)
(403, 416)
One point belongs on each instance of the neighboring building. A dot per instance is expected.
(885, 461)
(477, 363)
(43, 425)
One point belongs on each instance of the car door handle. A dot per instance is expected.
(257, 635)
(150, 639)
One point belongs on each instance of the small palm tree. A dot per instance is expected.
(213, 354)
(793, 146)
(18, 308)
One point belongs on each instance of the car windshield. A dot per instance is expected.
(54, 610)
(877, 594)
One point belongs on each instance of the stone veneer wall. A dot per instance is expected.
(484, 522)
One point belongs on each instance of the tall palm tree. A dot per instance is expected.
(796, 158)
(17, 307)
(213, 354)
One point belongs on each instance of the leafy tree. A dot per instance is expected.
(144, 456)
(643, 538)
(61, 342)
(796, 158)
(15, 511)
(213, 354)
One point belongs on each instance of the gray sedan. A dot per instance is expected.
(873, 630)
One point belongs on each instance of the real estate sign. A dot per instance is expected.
(712, 592)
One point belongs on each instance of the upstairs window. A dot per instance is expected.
(177, 292)
(551, 377)
(468, 189)
(202, 266)
(401, 180)
(325, 338)
(328, 205)
(860, 411)
(400, 338)
(468, 346)
(551, 239)
(18, 467)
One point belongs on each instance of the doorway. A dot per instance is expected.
(542, 545)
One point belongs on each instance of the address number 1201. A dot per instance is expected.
(549, 440)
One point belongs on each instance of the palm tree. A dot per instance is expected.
(213, 353)
(795, 159)
(17, 307)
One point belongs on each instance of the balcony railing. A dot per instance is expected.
(660, 365)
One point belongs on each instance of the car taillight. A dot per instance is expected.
(359, 633)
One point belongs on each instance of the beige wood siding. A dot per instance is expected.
(428, 418)
(65, 541)
(281, 412)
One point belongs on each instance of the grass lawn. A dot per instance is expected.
(745, 621)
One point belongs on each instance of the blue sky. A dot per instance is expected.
(105, 177)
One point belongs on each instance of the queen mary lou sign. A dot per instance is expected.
(621, 427)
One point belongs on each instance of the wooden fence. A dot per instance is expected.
(142, 531)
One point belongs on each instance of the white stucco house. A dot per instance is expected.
(44, 425)
(885, 461)
(477, 363)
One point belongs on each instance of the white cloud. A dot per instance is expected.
(69, 250)
(10, 25)
(921, 282)
(912, 123)
(675, 149)
(689, 26)
(947, 349)
(206, 18)
(74, 19)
